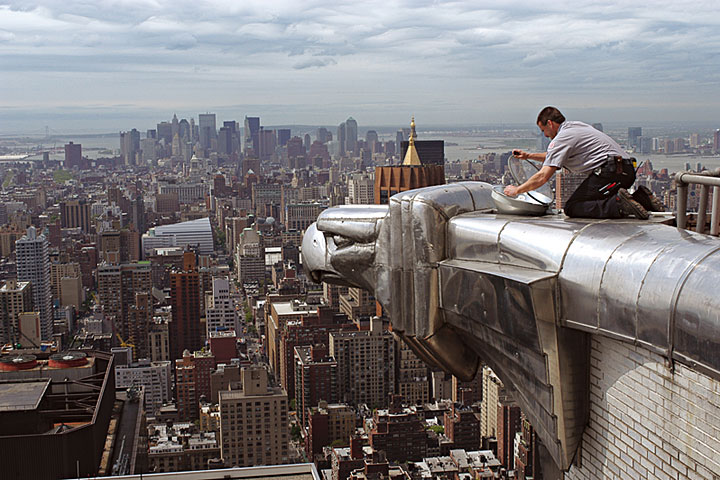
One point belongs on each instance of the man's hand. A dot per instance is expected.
(520, 154)
(511, 190)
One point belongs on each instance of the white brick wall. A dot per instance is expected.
(647, 422)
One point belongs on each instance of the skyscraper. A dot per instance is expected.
(323, 135)
(208, 130)
(341, 136)
(251, 129)
(184, 329)
(33, 265)
(634, 133)
(283, 135)
(130, 146)
(351, 136)
(267, 141)
(164, 132)
(225, 141)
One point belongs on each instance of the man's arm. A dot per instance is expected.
(536, 157)
(536, 181)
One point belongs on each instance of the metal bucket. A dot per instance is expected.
(534, 204)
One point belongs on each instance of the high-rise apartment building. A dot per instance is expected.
(140, 321)
(184, 329)
(315, 379)
(124, 293)
(366, 364)
(33, 265)
(254, 422)
(462, 426)
(220, 311)
(58, 271)
(278, 314)
(15, 299)
(310, 329)
(508, 424)
(412, 376)
(493, 390)
(326, 424)
(360, 189)
(399, 432)
(73, 155)
(192, 381)
(716, 141)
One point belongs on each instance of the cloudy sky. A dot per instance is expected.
(118, 64)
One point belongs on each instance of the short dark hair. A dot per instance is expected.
(550, 113)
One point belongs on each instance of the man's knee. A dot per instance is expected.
(571, 209)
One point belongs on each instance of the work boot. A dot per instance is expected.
(629, 206)
(648, 200)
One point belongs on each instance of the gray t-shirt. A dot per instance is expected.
(580, 148)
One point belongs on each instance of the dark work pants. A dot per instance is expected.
(593, 199)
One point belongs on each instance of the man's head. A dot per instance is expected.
(549, 120)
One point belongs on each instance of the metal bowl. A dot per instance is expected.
(535, 204)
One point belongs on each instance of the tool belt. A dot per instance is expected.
(618, 162)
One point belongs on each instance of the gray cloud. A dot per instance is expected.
(314, 62)
(455, 53)
(181, 41)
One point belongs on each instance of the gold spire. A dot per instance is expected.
(411, 156)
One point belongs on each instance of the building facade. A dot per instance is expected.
(15, 299)
(33, 265)
(366, 365)
(184, 329)
(254, 422)
(154, 376)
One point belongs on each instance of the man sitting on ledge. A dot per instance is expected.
(581, 148)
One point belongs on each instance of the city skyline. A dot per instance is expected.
(107, 66)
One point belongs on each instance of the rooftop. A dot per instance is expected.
(22, 395)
